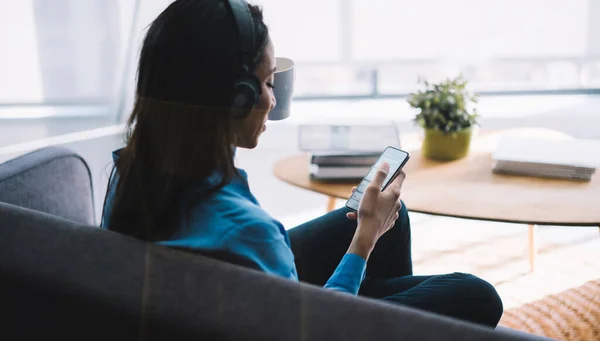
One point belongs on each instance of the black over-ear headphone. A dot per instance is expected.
(247, 85)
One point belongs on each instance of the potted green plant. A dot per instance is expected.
(444, 115)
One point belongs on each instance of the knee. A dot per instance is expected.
(402, 225)
(403, 214)
(403, 209)
(484, 298)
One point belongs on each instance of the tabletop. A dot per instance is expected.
(467, 188)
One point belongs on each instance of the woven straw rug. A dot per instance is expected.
(573, 314)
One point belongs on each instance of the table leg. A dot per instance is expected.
(532, 247)
(331, 204)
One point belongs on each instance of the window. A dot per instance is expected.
(384, 46)
(65, 53)
(312, 32)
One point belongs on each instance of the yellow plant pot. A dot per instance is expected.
(438, 145)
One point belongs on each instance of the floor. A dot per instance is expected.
(569, 256)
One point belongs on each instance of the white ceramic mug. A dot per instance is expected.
(284, 88)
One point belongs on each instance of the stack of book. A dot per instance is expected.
(573, 159)
(345, 150)
(341, 165)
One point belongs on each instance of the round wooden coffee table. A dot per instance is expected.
(468, 189)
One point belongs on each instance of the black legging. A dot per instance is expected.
(320, 244)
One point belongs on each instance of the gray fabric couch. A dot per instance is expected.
(63, 278)
(54, 180)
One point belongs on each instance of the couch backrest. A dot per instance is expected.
(53, 180)
(63, 280)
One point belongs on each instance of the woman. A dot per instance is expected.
(174, 183)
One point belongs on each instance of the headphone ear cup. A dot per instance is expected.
(247, 92)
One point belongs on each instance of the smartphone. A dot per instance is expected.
(395, 157)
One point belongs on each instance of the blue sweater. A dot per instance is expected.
(232, 221)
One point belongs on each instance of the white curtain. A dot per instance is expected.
(61, 51)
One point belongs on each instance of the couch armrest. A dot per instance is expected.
(53, 180)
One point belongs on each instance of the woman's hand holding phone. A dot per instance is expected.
(377, 212)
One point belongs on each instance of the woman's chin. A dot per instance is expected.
(250, 144)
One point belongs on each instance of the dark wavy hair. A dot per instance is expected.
(179, 132)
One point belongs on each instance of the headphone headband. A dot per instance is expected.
(247, 86)
(245, 31)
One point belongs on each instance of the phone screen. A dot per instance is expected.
(396, 158)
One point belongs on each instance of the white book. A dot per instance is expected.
(367, 136)
(574, 153)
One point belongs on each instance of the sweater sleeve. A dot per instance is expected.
(348, 275)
